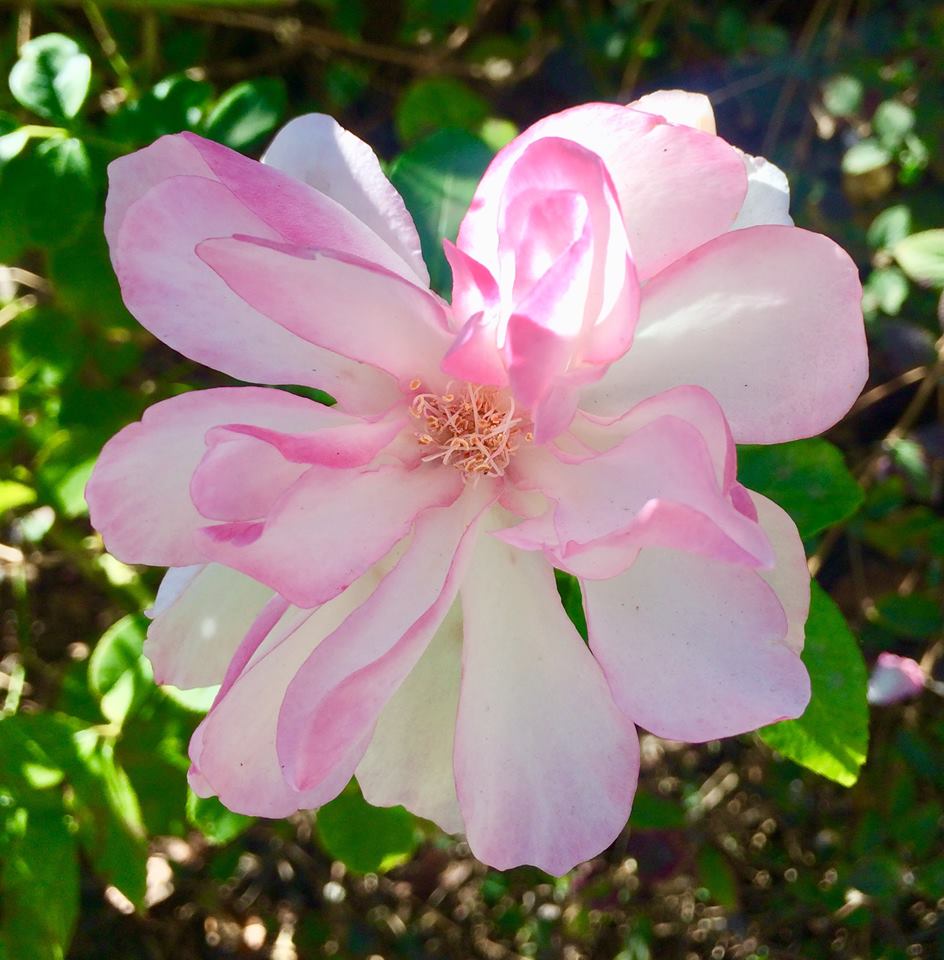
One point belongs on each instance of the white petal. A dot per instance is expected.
(409, 760)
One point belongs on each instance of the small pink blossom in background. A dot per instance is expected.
(372, 583)
(895, 679)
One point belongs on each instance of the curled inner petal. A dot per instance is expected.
(470, 427)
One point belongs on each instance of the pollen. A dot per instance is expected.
(469, 427)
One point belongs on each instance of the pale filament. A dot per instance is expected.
(472, 428)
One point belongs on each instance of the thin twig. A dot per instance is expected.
(933, 376)
(647, 29)
(109, 47)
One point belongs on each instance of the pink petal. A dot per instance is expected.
(130, 177)
(317, 150)
(240, 477)
(333, 702)
(545, 764)
(658, 486)
(246, 469)
(409, 760)
(181, 300)
(329, 528)
(233, 749)
(301, 215)
(679, 106)
(692, 404)
(677, 187)
(790, 576)
(138, 495)
(192, 640)
(768, 319)
(345, 305)
(895, 679)
(694, 649)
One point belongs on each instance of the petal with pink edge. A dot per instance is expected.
(693, 648)
(790, 576)
(768, 319)
(334, 701)
(176, 296)
(139, 496)
(317, 150)
(246, 469)
(337, 302)
(192, 640)
(329, 527)
(233, 750)
(302, 215)
(692, 404)
(545, 764)
(658, 486)
(677, 187)
(409, 760)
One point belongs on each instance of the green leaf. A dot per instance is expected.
(52, 77)
(13, 495)
(110, 825)
(717, 877)
(864, 157)
(173, 104)
(247, 112)
(808, 478)
(921, 256)
(367, 839)
(892, 122)
(889, 227)
(118, 673)
(568, 587)
(832, 736)
(652, 812)
(436, 179)
(842, 95)
(39, 882)
(213, 820)
(437, 103)
(914, 615)
(49, 193)
(886, 289)
(103, 802)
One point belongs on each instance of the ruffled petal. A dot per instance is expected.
(233, 750)
(657, 487)
(176, 296)
(768, 319)
(139, 496)
(545, 764)
(317, 150)
(677, 187)
(192, 640)
(329, 527)
(409, 760)
(692, 404)
(334, 701)
(694, 648)
(341, 304)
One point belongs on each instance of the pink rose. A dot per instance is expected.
(895, 679)
(373, 583)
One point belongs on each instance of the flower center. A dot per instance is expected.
(469, 427)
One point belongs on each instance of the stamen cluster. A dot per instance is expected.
(472, 428)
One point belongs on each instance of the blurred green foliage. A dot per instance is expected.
(731, 850)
